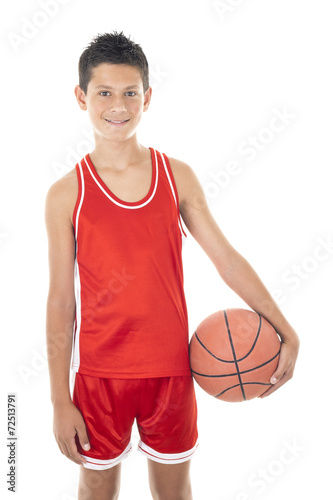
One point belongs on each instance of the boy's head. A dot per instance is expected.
(112, 48)
(113, 85)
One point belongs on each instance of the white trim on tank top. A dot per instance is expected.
(77, 289)
(121, 204)
(174, 196)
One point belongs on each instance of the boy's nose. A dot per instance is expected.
(117, 105)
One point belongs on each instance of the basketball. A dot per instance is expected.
(233, 354)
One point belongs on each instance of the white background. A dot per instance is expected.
(219, 72)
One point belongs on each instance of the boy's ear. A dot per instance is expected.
(80, 97)
(147, 98)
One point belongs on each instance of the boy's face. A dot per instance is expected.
(115, 100)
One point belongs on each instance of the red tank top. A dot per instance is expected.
(131, 316)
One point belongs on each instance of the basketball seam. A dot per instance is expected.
(237, 385)
(255, 340)
(231, 361)
(242, 372)
(211, 353)
(234, 355)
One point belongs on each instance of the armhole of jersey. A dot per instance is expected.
(174, 188)
(75, 360)
(79, 196)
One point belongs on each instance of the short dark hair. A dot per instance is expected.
(112, 48)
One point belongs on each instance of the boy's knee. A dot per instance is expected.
(170, 482)
(99, 485)
(87, 493)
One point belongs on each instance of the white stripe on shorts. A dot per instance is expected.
(94, 463)
(166, 458)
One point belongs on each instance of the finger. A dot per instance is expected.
(83, 437)
(275, 386)
(281, 369)
(67, 451)
(277, 376)
(74, 454)
(71, 452)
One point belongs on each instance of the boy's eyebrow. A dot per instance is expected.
(111, 88)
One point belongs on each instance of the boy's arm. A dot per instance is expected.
(60, 317)
(233, 268)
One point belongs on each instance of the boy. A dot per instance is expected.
(115, 236)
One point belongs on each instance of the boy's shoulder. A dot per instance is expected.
(63, 193)
(64, 184)
(184, 176)
(180, 169)
(177, 164)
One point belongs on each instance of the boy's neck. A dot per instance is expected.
(116, 155)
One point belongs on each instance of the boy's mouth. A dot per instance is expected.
(116, 122)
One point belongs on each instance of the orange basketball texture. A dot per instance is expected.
(233, 354)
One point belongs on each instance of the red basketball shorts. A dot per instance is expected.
(165, 410)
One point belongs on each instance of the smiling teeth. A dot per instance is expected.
(115, 121)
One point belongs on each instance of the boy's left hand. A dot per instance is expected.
(286, 366)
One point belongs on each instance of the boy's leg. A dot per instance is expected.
(108, 407)
(99, 484)
(167, 424)
(170, 482)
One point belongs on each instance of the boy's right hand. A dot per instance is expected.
(67, 422)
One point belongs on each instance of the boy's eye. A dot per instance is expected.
(107, 93)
